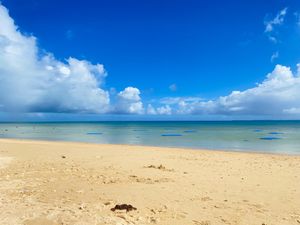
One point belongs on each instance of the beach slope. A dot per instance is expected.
(75, 183)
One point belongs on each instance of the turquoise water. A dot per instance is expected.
(261, 136)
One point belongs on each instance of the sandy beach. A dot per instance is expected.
(75, 183)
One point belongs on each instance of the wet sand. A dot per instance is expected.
(75, 183)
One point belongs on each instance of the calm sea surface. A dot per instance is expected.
(261, 136)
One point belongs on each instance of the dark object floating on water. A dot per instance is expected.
(138, 130)
(270, 138)
(93, 133)
(245, 140)
(189, 131)
(171, 135)
(275, 133)
(257, 131)
(123, 207)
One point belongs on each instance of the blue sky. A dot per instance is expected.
(178, 55)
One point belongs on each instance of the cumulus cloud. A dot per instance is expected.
(39, 83)
(33, 83)
(277, 95)
(129, 101)
(151, 110)
(164, 110)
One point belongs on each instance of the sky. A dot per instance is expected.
(149, 60)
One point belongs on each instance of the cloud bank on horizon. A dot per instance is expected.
(32, 81)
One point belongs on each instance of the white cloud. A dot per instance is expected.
(33, 83)
(130, 94)
(274, 56)
(273, 39)
(129, 101)
(177, 100)
(164, 110)
(292, 111)
(151, 110)
(277, 95)
(271, 24)
(297, 15)
(277, 20)
(173, 87)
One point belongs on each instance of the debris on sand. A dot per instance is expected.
(63, 156)
(123, 207)
(160, 167)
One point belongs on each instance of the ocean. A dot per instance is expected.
(255, 136)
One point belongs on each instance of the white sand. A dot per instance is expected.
(39, 186)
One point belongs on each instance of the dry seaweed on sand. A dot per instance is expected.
(123, 207)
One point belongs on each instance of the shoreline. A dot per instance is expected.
(154, 147)
(52, 183)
